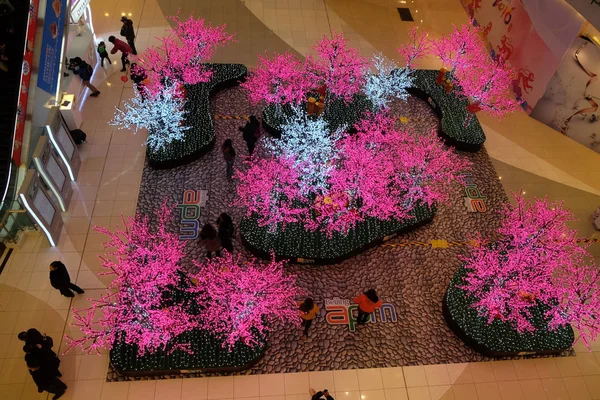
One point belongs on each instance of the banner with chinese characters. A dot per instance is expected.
(25, 80)
(52, 38)
(512, 35)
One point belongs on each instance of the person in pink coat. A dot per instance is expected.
(124, 48)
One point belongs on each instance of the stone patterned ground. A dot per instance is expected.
(411, 278)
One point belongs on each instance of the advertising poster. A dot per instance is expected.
(571, 102)
(25, 80)
(512, 35)
(52, 37)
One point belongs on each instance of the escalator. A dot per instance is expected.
(13, 32)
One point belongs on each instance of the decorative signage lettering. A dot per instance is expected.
(474, 200)
(189, 226)
(342, 312)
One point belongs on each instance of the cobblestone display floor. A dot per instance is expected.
(411, 280)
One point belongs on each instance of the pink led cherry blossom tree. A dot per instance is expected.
(278, 81)
(270, 188)
(461, 49)
(488, 88)
(180, 57)
(145, 264)
(388, 172)
(418, 45)
(536, 262)
(339, 67)
(242, 301)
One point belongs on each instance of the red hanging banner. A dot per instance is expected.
(25, 79)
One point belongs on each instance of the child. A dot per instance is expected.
(103, 54)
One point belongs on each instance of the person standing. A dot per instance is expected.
(210, 240)
(229, 156)
(128, 32)
(60, 279)
(85, 72)
(124, 48)
(250, 133)
(367, 303)
(103, 54)
(46, 356)
(35, 338)
(226, 231)
(45, 378)
(308, 311)
(320, 395)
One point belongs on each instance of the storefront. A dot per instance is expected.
(65, 30)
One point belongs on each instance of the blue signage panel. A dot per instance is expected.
(52, 38)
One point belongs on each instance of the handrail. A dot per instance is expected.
(7, 214)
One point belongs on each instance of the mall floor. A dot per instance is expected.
(527, 155)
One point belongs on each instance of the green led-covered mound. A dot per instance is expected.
(500, 339)
(338, 114)
(298, 245)
(451, 110)
(207, 355)
(201, 137)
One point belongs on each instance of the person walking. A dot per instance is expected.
(226, 231)
(60, 279)
(229, 156)
(103, 54)
(320, 395)
(124, 48)
(128, 31)
(85, 72)
(308, 311)
(210, 240)
(367, 303)
(250, 133)
(45, 378)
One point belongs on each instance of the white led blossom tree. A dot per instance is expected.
(311, 144)
(388, 82)
(161, 115)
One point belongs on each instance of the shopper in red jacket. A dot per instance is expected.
(124, 48)
(367, 303)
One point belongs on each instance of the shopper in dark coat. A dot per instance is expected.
(45, 379)
(124, 48)
(60, 279)
(128, 31)
(226, 231)
(320, 395)
(39, 346)
(34, 337)
(85, 72)
(210, 240)
(45, 356)
(229, 156)
(250, 133)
